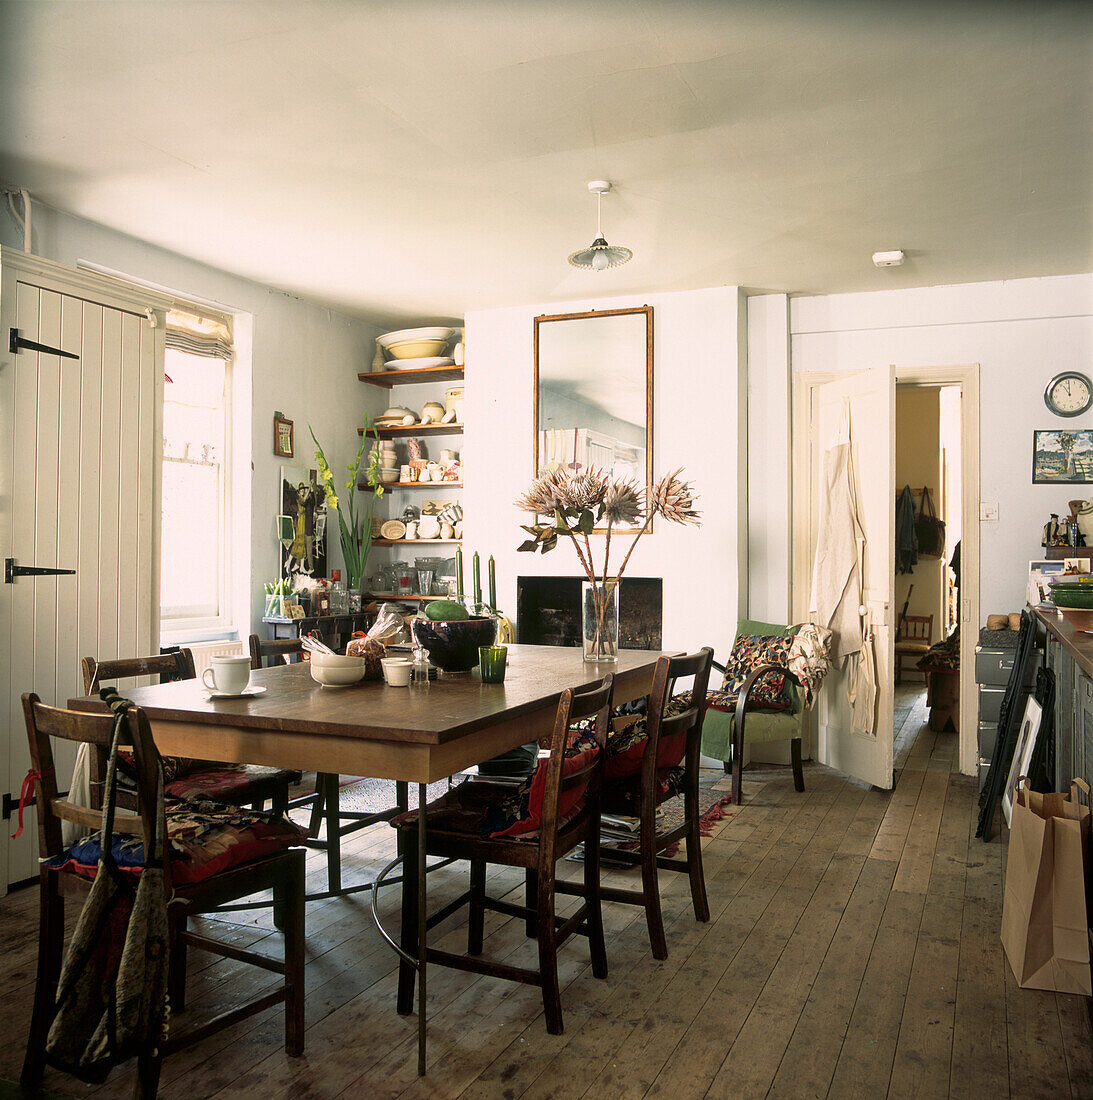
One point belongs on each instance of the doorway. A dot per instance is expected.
(927, 654)
(961, 486)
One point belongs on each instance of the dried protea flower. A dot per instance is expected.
(545, 496)
(674, 499)
(584, 490)
(622, 502)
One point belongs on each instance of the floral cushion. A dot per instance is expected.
(205, 839)
(229, 783)
(174, 767)
(748, 652)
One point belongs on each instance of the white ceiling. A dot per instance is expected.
(417, 159)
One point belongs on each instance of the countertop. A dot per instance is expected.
(1077, 643)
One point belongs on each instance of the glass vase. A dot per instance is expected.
(600, 621)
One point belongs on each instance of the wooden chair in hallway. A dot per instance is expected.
(671, 740)
(227, 864)
(916, 635)
(325, 801)
(237, 784)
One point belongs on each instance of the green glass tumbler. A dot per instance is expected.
(491, 659)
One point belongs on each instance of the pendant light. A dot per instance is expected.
(600, 255)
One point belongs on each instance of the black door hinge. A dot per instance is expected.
(17, 343)
(10, 805)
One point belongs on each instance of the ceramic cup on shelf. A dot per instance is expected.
(428, 527)
(230, 675)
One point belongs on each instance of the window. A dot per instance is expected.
(195, 550)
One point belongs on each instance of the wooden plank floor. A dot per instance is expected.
(852, 952)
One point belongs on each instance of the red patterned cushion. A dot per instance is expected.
(205, 839)
(626, 743)
(229, 783)
(174, 767)
(580, 753)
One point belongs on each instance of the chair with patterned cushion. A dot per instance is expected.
(237, 784)
(325, 800)
(773, 709)
(214, 859)
(532, 826)
(659, 762)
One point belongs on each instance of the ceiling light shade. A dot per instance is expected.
(600, 255)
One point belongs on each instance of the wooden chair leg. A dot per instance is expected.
(594, 919)
(147, 1083)
(548, 954)
(294, 957)
(333, 834)
(650, 888)
(475, 923)
(316, 806)
(50, 951)
(176, 974)
(699, 901)
(407, 973)
(798, 771)
(531, 898)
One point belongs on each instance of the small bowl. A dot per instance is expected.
(1073, 595)
(453, 644)
(1079, 618)
(396, 671)
(388, 474)
(336, 670)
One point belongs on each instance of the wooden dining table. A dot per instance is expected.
(418, 734)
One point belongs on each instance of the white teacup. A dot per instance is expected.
(396, 671)
(230, 675)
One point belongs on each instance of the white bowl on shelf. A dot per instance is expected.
(424, 363)
(434, 332)
(336, 670)
(388, 474)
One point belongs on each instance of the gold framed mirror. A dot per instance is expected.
(593, 391)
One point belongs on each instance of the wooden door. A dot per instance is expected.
(79, 490)
(867, 400)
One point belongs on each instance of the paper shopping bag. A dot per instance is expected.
(1044, 919)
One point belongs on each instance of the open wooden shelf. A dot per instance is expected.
(388, 486)
(416, 542)
(415, 429)
(389, 378)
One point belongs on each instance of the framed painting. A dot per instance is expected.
(301, 523)
(1061, 457)
(282, 436)
(1022, 754)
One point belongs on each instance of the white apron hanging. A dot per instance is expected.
(836, 573)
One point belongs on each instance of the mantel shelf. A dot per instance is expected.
(391, 378)
(415, 429)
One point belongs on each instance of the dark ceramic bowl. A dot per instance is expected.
(453, 644)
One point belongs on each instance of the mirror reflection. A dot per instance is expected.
(593, 392)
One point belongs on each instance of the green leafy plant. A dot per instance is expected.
(355, 530)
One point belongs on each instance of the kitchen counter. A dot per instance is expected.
(1077, 643)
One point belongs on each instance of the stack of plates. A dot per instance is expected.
(415, 343)
(419, 364)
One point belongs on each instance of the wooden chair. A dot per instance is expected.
(325, 801)
(236, 784)
(449, 835)
(916, 635)
(281, 872)
(669, 740)
(726, 732)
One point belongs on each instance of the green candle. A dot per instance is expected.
(459, 571)
(493, 585)
(476, 578)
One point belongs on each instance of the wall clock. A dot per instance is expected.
(1069, 394)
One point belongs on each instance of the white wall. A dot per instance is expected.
(303, 361)
(1021, 333)
(698, 423)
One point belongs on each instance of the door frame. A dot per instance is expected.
(966, 376)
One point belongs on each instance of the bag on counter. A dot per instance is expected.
(929, 530)
(372, 646)
(1044, 924)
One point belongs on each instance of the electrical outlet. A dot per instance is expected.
(988, 509)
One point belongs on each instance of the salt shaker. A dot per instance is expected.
(421, 666)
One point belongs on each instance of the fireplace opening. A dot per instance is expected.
(548, 611)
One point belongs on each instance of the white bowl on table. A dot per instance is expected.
(336, 670)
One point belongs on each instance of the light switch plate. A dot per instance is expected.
(988, 509)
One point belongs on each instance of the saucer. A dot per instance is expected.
(250, 689)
